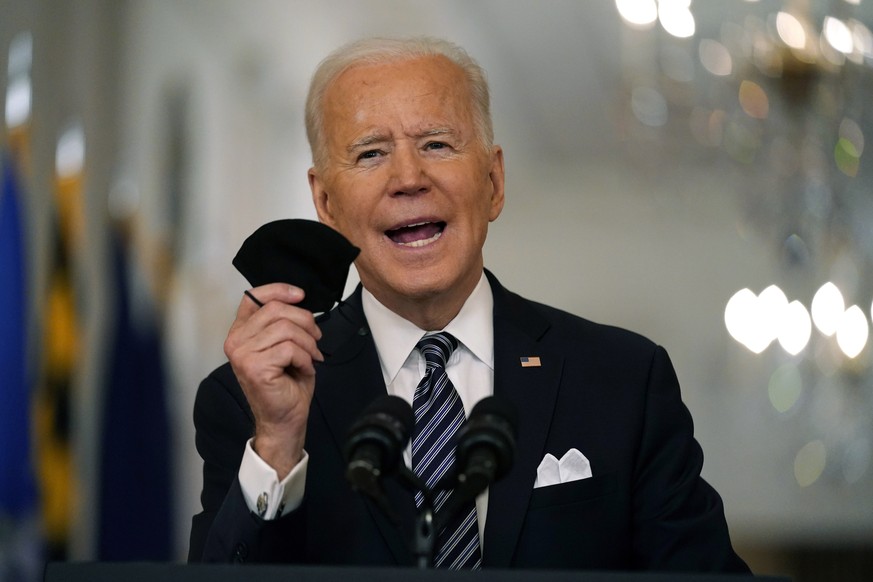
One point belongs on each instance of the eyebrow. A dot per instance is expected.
(369, 140)
(366, 141)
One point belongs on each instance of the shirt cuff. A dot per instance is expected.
(265, 495)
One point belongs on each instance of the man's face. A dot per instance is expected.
(407, 179)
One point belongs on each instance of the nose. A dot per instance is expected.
(408, 172)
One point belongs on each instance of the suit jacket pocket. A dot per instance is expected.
(574, 491)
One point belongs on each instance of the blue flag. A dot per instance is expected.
(21, 557)
(135, 475)
(17, 486)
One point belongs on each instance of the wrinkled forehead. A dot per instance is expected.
(366, 86)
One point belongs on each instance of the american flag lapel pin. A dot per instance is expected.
(530, 362)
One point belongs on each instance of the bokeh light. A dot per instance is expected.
(795, 328)
(756, 320)
(707, 126)
(838, 35)
(640, 14)
(18, 102)
(772, 305)
(827, 308)
(649, 106)
(790, 30)
(737, 314)
(785, 387)
(809, 463)
(753, 100)
(852, 331)
(847, 157)
(676, 18)
(70, 152)
(18, 87)
(715, 57)
(862, 38)
(852, 132)
(857, 460)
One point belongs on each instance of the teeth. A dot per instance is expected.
(423, 242)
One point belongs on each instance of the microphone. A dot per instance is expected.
(486, 444)
(375, 443)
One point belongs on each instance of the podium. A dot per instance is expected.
(164, 572)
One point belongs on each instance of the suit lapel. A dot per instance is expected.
(348, 381)
(518, 329)
(351, 361)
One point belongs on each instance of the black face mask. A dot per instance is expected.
(304, 253)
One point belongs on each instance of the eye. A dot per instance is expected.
(369, 154)
(435, 145)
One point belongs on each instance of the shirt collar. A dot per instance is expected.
(396, 337)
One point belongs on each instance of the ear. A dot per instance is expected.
(497, 176)
(320, 197)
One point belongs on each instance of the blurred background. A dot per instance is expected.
(695, 171)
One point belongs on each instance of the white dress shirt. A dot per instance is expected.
(470, 368)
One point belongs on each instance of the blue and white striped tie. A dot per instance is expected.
(439, 414)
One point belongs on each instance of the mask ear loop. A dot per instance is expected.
(253, 298)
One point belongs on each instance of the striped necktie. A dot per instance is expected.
(439, 414)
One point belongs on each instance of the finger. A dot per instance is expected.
(283, 330)
(264, 294)
(275, 310)
(278, 360)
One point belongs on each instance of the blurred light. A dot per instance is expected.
(795, 328)
(715, 57)
(857, 459)
(852, 331)
(847, 157)
(19, 91)
(649, 106)
(754, 100)
(736, 314)
(790, 30)
(707, 127)
(20, 54)
(756, 320)
(809, 463)
(18, 100)
(838, 35)
(785, 387)
(795, 250)
(852, 132)
(862, 38)
(70, 153)
(827, 308)
(639, 14)
(854, 2)
(772, 304)
(676, 18)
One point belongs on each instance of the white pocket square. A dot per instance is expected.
(573, 466)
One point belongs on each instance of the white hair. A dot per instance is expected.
(376, 51)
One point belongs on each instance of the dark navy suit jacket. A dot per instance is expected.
(609, 393)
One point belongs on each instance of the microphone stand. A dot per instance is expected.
(424, 537)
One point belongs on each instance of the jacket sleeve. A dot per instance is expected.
(679, 520)
(226, 531)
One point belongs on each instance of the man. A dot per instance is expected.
(404, 167)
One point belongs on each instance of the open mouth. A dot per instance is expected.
(416, 235)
